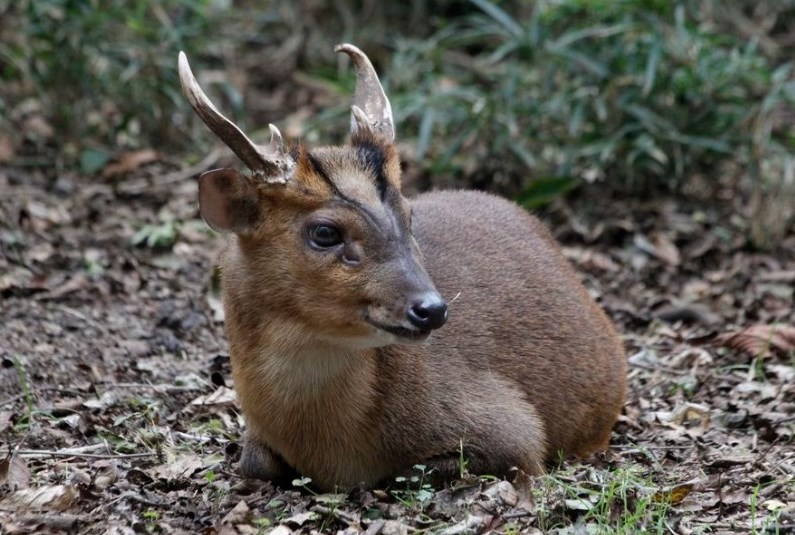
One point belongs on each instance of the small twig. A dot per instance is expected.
(184, 174)
(139, 186)
(189, 437)
(12, 399)
(652, 368)
(517, 514)
(345, 516)
(89, 448)
(162, 387)
(67, 453)
(59, 521)
(91, 321)
(16, 398)
(648, 447)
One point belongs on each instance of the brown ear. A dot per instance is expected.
(228, 202)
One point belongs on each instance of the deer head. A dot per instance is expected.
(321, 237)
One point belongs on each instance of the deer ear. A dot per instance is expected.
(228, 202)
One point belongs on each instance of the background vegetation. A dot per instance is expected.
(528, 98)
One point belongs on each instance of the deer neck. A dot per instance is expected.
(293, 370)
(312, 401)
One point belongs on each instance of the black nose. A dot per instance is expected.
(428, 312)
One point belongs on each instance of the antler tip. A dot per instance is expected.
(277, 142)
(352, 50)
(185, 73)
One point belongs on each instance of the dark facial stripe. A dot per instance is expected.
(373, 158)
(317, 166)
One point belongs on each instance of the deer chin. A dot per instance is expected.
(399, 334)
(380, 335)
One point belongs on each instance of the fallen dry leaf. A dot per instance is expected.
(660, 246)
(760, 340)
(220, 396)
(240, 514)
(7, 151)
(47, 498)
(774, 505)
(578, 504)
(130, 161)
(14, 472)
(590, 260)
(183, 467)
(300, 519)
(523, 485)
(76, 282)
(107, 399)
(38, 127)
(673, 495)
(687, 412)
(5, 420)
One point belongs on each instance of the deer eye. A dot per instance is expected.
(324, 236)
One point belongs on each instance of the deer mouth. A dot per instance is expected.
(413, 335)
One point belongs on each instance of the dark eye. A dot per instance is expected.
(324, 236)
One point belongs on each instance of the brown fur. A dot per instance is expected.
(527, 366)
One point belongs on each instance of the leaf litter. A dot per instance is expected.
(117, 412)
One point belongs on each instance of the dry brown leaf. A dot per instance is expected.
(591, 260)
(665, 249)
(182, 467)
(240, 514)
(14, 472)
(760, 340)
(673, 495)
(7, 151)
(301, 518)
(687, 412)
(523, 485)
(76, 282)
(777, 276)
(44, 216)
(39, 127)
(46, 498)
(660, 246)
(578, 504)
(5, 420)
(107, 399)
(220, 396)
(130, 161)
(40, 253)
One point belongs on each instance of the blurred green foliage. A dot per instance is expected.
(640, 92)
(525, 97)
(100, 70)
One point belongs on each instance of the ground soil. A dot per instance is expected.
(117, 414)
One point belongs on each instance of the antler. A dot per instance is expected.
(272, 164)
(371, 109)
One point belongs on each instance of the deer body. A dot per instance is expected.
(333, 282)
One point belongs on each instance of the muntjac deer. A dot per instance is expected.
(336, 294)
